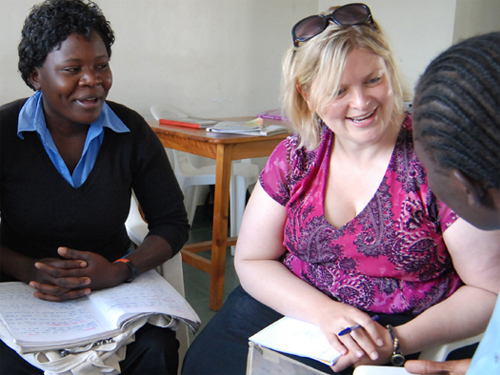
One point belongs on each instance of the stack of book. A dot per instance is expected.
(188, 122)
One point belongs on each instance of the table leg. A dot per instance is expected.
(219, 233)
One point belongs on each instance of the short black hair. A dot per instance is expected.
(456, 109)
(51, 22)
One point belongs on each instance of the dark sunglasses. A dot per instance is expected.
(347, 15)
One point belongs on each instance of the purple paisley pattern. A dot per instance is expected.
(391, 258)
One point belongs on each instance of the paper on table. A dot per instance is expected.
(253, 127)
(254, 124)
(296, 337)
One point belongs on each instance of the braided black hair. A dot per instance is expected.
(456, 109)
(51, 23)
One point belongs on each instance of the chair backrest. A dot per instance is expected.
(181, 160)
(166, 111)
(182, 164)
(137, 228)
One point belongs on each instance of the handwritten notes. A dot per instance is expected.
(31, 319)
(35, 324)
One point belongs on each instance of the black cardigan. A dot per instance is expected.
(41, 211)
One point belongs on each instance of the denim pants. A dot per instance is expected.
(222, 346)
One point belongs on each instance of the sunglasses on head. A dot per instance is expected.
(347, 15)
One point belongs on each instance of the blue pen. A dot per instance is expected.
(350, 329)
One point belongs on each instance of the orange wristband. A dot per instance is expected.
(131, 266)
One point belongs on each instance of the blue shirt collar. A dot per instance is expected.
(31, 118)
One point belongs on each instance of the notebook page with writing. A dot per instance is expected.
(35, 321)
(152, 294)
(296, 337)
(37, 325)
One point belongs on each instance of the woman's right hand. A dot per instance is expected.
(55, 279)
(370, 344)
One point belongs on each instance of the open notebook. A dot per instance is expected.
(37, 325)
(296, 337)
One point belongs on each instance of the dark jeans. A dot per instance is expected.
(222, 346)
(154, 351)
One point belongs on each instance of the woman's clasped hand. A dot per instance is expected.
(75, 275)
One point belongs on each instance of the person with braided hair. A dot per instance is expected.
(456, 120)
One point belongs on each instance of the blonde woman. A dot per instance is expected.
(343, 225)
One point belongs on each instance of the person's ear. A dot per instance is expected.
(35, 78)
(304, 94)
(301, 90)
(474, 191)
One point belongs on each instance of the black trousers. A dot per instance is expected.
(154, 351)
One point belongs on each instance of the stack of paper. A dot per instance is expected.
(299, 338)
(253, 127)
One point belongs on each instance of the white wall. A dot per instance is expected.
(217, 58)
(476, 17)
(13, 14)
(417, 30)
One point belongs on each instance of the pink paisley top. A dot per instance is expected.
(391, 258)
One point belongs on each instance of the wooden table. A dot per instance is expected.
(224, 148)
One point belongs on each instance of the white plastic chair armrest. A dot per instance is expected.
(440, 352)
(171, 271)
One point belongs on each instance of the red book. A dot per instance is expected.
(201, 124)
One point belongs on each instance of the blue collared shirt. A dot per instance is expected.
(32, 118)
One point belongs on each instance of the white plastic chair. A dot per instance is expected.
(171, 270)
(191, 178)
(437, 353)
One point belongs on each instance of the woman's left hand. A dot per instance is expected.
(358, 338)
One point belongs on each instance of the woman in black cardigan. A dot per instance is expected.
(69, 162)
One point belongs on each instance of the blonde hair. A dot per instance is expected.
(314, 69)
